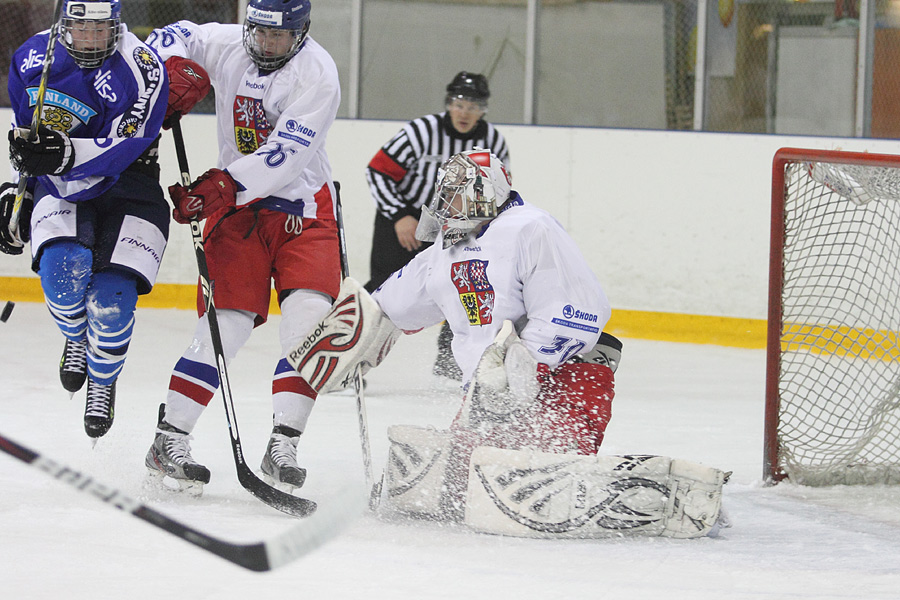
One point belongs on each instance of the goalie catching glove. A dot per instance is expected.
(210, 192)
(354, 334)
(51, 152)
(9, 243)
(188, 85)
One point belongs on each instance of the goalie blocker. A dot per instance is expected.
(528, 493)
(354, 333)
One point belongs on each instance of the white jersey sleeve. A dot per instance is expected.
(405, 300)
(201, 43)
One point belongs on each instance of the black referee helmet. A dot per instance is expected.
(469, 86)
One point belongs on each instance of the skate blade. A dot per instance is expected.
(287, 488)
(160, 481)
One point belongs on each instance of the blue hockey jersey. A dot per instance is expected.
(112, 113)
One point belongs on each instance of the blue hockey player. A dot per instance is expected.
(93, 210)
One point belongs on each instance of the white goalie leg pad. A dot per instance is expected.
(417, 462)
(537, 494)
(354, 333)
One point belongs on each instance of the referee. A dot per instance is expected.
(402, 178)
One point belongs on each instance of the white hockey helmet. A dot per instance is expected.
(471, 188)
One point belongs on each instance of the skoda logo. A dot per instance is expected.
(568, 311)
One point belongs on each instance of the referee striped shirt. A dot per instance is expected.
(403, 173)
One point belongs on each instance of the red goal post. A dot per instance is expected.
(833, 361)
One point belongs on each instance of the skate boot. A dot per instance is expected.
(100, 408)
(279, 465)
(73, 366)
(170, 456)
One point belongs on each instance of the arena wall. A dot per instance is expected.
(674, 224)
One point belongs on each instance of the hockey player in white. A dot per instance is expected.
(527, 315)
(270, 213)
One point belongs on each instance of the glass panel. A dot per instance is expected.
(413, 48)
(602, 64)
(330, 26)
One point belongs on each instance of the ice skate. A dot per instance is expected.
(170, 456)
(279, 465)
(73, 366)
(99, 409)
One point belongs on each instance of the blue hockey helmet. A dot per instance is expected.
(274, 31)
(89, 30)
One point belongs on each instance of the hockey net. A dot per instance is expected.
(833, 370)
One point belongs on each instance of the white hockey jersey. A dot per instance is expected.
(523, 267)
(271, 126)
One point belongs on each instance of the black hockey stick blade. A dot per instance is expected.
(286, 503)
(266, 555)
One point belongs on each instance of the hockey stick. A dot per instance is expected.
(275, 498)
(266, 555)
(374, 488)
(35, 121)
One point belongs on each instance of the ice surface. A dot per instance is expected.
(703, 403)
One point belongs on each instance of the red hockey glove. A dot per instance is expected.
(210, 192)
(188, 85)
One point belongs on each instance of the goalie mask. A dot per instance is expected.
(275, 30)
(471, 188)
(89, 30)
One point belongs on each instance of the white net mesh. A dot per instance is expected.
(839, 381)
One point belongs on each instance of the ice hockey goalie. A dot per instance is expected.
(521, 457)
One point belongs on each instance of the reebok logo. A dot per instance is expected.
(191, 73)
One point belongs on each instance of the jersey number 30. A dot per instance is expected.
(565, 345)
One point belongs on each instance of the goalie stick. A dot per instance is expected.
(373, 487)
(35, 121)
(288, 503)
(266, 555)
